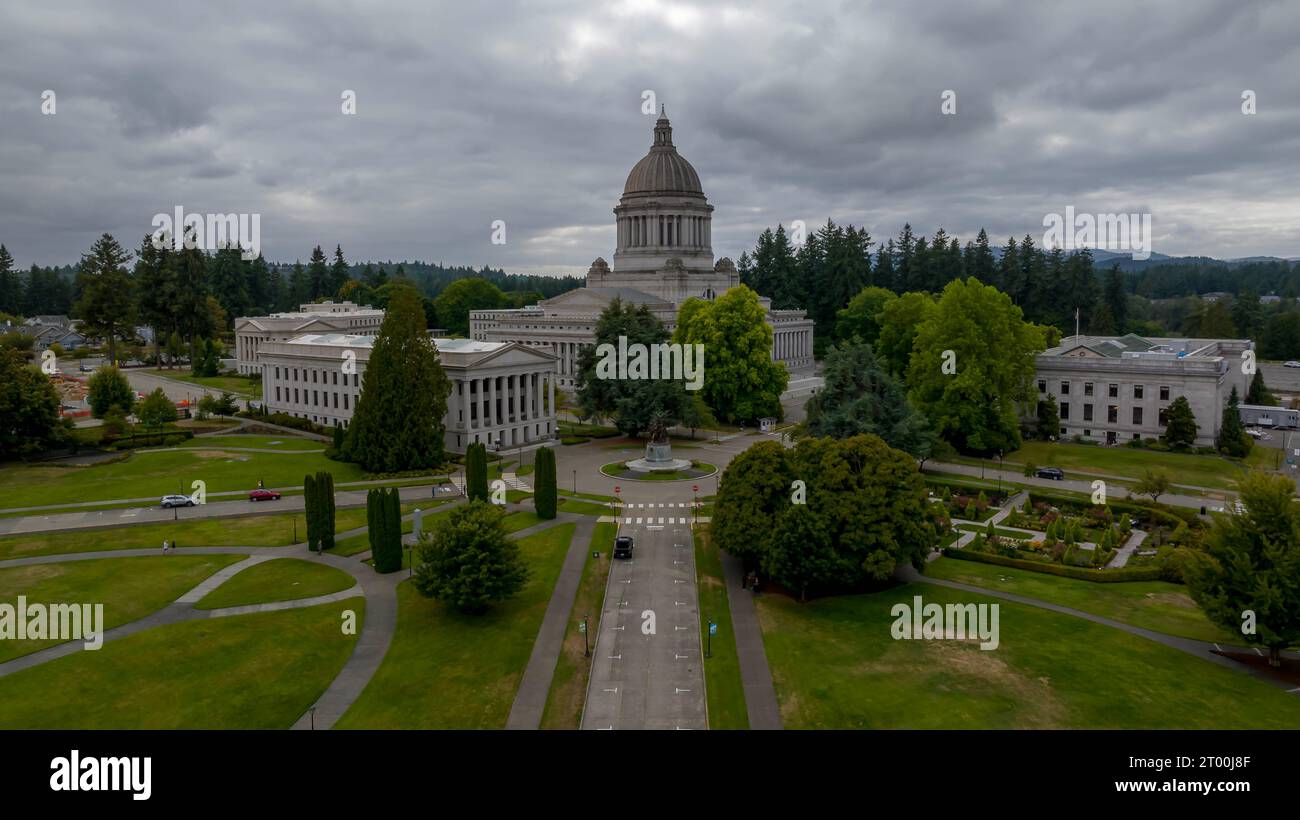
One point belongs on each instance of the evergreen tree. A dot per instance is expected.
(476, 472)
(338, 275)
(1180, 425)
(398, 421)
(106, 305)
(29, 407)
(325, 491)
(385, 530)
(979, 261)
(311, 511)
(1259, 394)
(1115, 298)
(11, 288)
(318, 275)
(299, 287)
(1233, 440)
(469, 562)
(545, 490)
(156, 286)
(229, 282)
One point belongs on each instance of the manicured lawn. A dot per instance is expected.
(568, 693)
(1130, 462)
(836, 665)
(281, 579)
(447, 670)
(360, 542)
(147, 474)
(514, 522)
(1156, 605)
(241, 385)
(257, 671)
(584, 508)
(722, 682)
(286, 442)
(129, 588)
(242, 531)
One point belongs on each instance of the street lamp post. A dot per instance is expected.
(586, 642)
(575, 482)
(999, 472)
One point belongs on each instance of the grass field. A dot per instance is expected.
(243, 531)
(447, 670)
(1129, 462)
(835, 665)
(726, 694)
(514, 522)
(568, 692)
(280, 579)
(149, 474)
(1156, 605)
(360, 542)
(129, 588)
(257, 671)
(286, 443)
(584, 507)
(241, 385)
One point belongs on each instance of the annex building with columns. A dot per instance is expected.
(502, 395)
(663, 256)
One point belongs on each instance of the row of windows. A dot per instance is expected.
(1112, 390)
(1112, 414)
(318, 376)
(315, 397)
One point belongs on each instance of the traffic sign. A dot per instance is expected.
(582, 627)
(697, 488)
(616, 489)
(713, 628)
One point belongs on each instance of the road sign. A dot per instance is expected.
(582, 626)
(697, 488)
(616, 489)
(713, 628)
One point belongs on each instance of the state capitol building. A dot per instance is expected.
(664, 257)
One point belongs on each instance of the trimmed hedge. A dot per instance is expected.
(1102, 576)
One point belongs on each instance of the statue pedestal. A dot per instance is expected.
(658, 456)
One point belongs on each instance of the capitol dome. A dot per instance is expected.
(663, 170)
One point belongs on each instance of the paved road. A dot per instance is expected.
(1114, 493)
(88, 519)
(640, 680)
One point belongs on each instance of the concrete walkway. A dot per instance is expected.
(755, 675)
(1125, 552)
(530, 700)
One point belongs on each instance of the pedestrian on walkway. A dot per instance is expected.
(164, 546)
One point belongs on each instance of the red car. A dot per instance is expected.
(263, 495)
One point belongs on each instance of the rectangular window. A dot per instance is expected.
(1112, 414)
(1065, 389)
(345, 401)
(1138, 390)
(295, 395)
(1087, 388)
(1087, 412)
(336, 377)
(315, 399)
(1064, 410)
(1164, 393)
(1114, 391)
(277, 392)
(1042, 385)
(1137, 415)
(313, 376)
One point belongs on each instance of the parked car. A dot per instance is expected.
(85, 368)
(169, 501)
(1292, 363)
(623, 546)
(263, 495)
(1053, 473)
(1256, 433)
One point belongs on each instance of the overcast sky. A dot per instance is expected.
(530, 112)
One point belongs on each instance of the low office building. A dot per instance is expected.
(1117, 388)
(251, 332)
(503, 394)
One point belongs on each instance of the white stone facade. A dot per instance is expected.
(1114, 389)
(252, 332)
(502, 394)
(663, 256)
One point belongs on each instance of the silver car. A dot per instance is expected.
(169, 501)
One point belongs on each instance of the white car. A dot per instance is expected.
(169, 501)
(1292, 363)
(1256, 433)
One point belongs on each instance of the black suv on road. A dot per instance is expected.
(1053, 473)
(623, 546)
